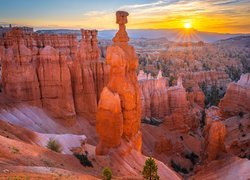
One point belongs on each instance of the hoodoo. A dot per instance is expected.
(119, 109)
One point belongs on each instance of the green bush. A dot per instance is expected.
(178, 168)
(233, 73)
(150, 170)
(192, 157)
(54, 145)
(83, 158)
(172, 79)
(212, 95)
(189, 89)
(107, 173)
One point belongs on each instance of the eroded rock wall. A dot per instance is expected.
(52, 71)
(154, 98)
(237, 98)
(210, 78)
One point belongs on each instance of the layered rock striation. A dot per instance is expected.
(182, 116)
(237, 98)
(52, 71)
(154, 97)
(215, 134)
(210, 78)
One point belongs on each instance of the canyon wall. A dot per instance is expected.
(154, 95)
(52, 71)
(210, 78)
(237, 97)
(227, 126)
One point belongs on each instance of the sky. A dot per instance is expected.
(224, 16)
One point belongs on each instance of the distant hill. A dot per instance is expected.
(177, 35)
(243, 41)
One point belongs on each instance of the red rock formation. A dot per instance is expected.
(196, 95)
(88, 49)
(237, 139)
(124, 118)
(154, 98)
(36, 70)
(237, 97)
(20, 80)
(217, 78)
(212, 114)
(55, 83)
(88, 81)
(179, 107)
(109, 123)
(228, 168)
(215, 134)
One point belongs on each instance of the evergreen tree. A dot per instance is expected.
(150, 170)
(107, 173)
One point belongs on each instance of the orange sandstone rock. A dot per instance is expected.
(154, 97)
(215, 134)
(237, 97)
(50, 70)
(122, 81)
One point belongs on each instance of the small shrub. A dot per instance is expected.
(172, 80)
(233, 73)
(189, 89)
(14, 150)
(241, 114)
(178, 168)
(83, 158)
(107, 173)
(192, 157)
(54, 145)
(150, 170)
(203, 119)
(212, 95)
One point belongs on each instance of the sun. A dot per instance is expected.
(187, 25)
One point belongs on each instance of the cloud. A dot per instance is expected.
(172, 14)
(226, 2)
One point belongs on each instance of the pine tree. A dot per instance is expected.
(150, 170)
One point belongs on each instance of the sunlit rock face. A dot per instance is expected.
(237, 97)
(55, 83)
(210, 78)
(20, 80)
(182, 116)
(119, 108)
(215, 134)
(52, 71)
(154, 96)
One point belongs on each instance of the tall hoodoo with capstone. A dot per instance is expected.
(119, 109)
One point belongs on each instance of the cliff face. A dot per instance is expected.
(237, 97)
(52, 72)
(217, 78)
(87, 82)
(154, 97)
(20, 80)
(55, 83)
(215, 134)
(227, 125)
